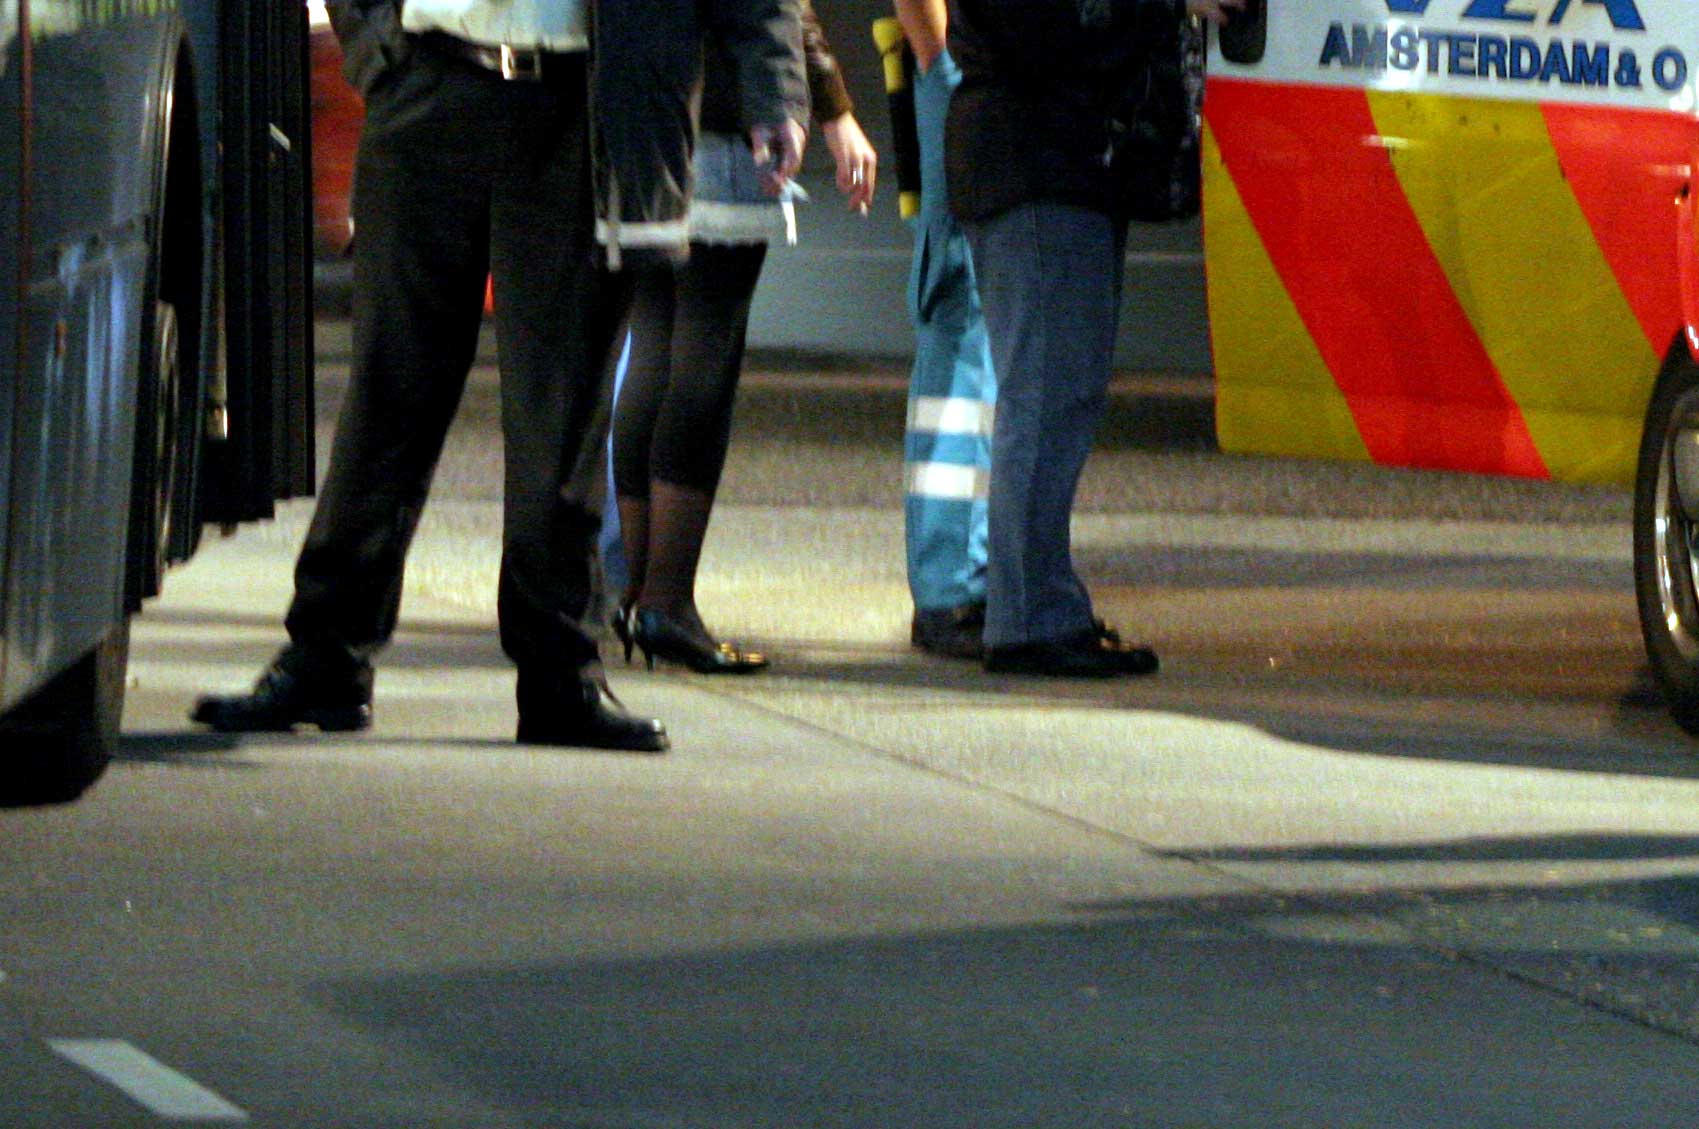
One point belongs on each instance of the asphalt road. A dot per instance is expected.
(1397, 837)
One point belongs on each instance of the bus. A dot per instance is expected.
(1459, 234)
(155, 334)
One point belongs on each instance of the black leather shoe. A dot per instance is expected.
(294, 690)
(1098, 653)
(954, 633)
(582, 712)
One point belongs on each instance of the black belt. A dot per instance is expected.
(518, 64)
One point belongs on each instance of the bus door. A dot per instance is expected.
(1445, 233)
(263, 396)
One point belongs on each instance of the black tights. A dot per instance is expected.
(688, 326)
(673, 420)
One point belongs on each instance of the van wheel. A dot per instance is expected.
(1666, 536)
(59, 741)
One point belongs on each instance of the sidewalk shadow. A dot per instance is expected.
(1156, 1014)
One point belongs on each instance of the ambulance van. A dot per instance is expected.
(1460, 234)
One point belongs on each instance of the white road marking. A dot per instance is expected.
(148, 1081)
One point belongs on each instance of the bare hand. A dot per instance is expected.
(778, 153)
(1215, 11)
(858, 164)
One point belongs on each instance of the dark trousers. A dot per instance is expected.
(1050, 278)
(461, 174)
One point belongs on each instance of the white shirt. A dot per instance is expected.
(553, 25)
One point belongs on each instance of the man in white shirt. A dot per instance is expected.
(475, 160)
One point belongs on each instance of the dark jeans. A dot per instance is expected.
(461, 174)
(1050, 281)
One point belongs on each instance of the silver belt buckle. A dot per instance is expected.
(524, 64)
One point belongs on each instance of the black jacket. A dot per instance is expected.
(722, 105)
(646, 73)
(1044, 84)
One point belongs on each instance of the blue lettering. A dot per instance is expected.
(1433, 41)
(1462, 60)
(1524, 59)
(1557, 64)
(1592, 67)
(1368, 51)
(1669, 70)
(1624, 15)
(1628, 70)
(1407, 7)
(1494, 58)
(1406, 49)
(1365, 51)
(1335, 50)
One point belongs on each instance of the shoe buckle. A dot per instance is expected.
(523, 64)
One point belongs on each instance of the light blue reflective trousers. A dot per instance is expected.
(615, 574)
(952, 391)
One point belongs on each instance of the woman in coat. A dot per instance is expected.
(672, 421)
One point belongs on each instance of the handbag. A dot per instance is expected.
(1157, 131)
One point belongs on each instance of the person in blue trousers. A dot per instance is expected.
(953, 389)
(1042, 171)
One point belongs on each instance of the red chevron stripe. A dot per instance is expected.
(1626, 168)
(1323, 196)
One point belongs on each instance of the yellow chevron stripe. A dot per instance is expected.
(1274, 393)
(1485, 183)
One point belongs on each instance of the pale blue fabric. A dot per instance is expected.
(945, 537)
(615, 574)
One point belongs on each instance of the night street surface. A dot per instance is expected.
(1399, 836)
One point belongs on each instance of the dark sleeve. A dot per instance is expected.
(1025, 42)
(369, 33)
(764, 40)
(826, 91)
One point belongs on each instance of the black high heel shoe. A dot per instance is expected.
(661, 636)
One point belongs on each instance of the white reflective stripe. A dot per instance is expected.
(645, 234)
(162, 1090)
(947, 481)
(712, 221)
(952, 415)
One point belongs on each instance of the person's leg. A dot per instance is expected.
(692, 434)
(1049, 276)
(952, 392)
(693, 428)
(421, 204)
(554, 323)
(419, 264)
(556, 315)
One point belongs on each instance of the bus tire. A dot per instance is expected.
(60, 741)
(1666, 536)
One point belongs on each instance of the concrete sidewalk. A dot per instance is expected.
(869, 889)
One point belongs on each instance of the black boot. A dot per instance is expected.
(578, 709)
(300, 687)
